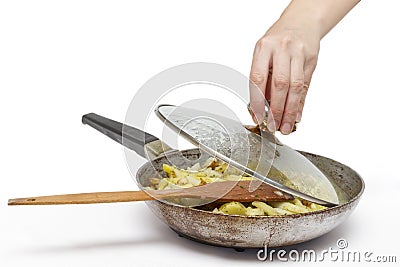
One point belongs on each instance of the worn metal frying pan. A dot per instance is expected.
(234, 231)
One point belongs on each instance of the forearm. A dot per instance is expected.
(319, 15)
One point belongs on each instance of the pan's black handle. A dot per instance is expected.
(133, 138)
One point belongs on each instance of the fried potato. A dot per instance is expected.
(217, 171)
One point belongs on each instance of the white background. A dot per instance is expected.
(62, 59)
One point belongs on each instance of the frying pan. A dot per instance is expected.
(235, 231)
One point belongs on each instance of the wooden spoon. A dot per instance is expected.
(221, 191)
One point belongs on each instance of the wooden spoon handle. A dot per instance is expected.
(224, 191)
(83, 198)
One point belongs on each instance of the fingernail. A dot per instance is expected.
(271, 124)
(298, 117)
(286, 128)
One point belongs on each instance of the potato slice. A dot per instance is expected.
(233, 208)
(254, 212)
(289, 206)
(266, 208)
(169, 170)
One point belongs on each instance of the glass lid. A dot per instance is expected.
(255, 153)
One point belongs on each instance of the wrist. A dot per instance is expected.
(319, 16)
(310, 21)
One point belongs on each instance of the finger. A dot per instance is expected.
(308, 72)
(279, 89)
(294, 95)
(302, 101)
(268, 88)
(258, 81)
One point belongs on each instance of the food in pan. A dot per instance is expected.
(216, 171)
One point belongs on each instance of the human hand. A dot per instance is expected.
(283, 63)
